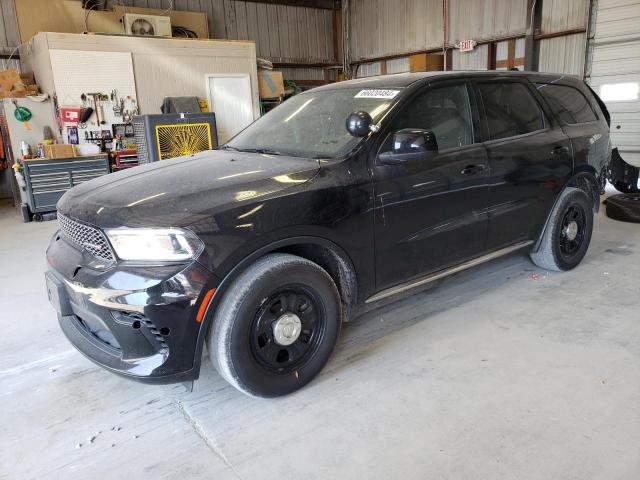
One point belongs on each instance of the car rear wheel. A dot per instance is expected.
(568, 233)
(276, 326)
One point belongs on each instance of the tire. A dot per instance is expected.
(567, 235)
(625, 208)
(625, 187)
(250, 331)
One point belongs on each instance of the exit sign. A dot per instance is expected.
(466, 45)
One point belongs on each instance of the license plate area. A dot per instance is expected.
(57, 295)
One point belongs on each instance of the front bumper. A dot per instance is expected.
(134, 320)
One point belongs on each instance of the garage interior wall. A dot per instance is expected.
(8, 27)
(294, 37)
(486, 19)
(564, 53)
(379, 30)
(616, 66)
(283, 34)
(287, 35)
(8, 42)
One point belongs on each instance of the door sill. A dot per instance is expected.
(445, 273)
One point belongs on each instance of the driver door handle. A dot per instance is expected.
(472, 169)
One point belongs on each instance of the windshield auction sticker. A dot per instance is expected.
(377, 93)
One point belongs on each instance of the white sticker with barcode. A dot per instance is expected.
(377, 93)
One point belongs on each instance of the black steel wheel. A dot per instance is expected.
(567, 234)
(573, 229)
(287, 329)
(276, 326)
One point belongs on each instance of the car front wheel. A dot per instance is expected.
(276, 326)
(568, 232)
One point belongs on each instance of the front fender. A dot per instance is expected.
(221, 286)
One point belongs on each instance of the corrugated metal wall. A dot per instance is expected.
(393, 27)
(381, 27)
(9, 38)
(474, 60)
(563, 54)
(378, 28)
(368, 70)
(559, 15)
(485, 20)
(398, 65)
(6, 64)
(284, 34)
(302, 73)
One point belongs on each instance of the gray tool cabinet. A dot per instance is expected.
(48, 180)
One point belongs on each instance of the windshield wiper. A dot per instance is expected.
(263, 151)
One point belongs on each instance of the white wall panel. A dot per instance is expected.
(563, 54)
(302, 73)
(615, 64)
(398, 65)
(162, 67)
(560, 15)
(477, 59)
(368, 70)
(617, 20)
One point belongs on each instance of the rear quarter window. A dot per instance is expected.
(567, 103)
(510, 109)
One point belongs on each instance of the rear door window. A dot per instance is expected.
(510, 109)
(567, 103)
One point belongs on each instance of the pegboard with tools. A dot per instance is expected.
(95, 91)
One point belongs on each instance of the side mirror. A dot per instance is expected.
(410, 144)
(358, 124)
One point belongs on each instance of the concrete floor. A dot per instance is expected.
(502, 372)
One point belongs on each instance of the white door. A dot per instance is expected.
(615, 72)
(230, 98)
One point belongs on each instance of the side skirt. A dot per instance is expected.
(432, 277)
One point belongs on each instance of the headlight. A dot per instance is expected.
(150, 244)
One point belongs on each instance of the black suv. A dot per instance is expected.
(341, 198)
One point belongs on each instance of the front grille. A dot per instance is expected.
(86, 237)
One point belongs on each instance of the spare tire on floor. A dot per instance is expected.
(624, 207)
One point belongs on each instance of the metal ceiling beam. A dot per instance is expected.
(325, 4)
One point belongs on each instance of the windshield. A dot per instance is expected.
(312, 124)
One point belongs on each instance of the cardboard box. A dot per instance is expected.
(28, 78)
(426, 62)
(59, 151)
(11, 85)
(270, 84)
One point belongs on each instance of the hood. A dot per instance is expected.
(180, 191)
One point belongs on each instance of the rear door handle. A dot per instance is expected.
(472, 169)
(559, 150)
